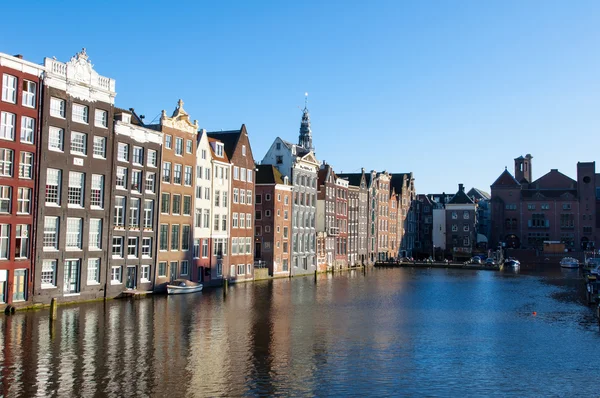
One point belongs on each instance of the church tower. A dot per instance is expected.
(305, 138)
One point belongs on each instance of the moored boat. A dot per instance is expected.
(569, 262)
(512, 262)
(183, 286)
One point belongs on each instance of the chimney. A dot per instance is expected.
(20, 56)
(461, 188)
(362, 169)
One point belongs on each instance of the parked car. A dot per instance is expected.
(490, 261)
(476, 260)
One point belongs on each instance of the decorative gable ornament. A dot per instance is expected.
(180, 120)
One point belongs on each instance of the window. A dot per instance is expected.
(258, 215)
(267, 213)
(216, 223)
(123, 152)
(249, 179)
(50, 233)
(76, 184)
(279, 159)
(187, 180)
(6, 162)
(78, 143)
(174, 237)
(146, 247)
(236, 172)
(196, 249)
(53, 182)
(4, 241)
(531, 206)
(217, 198)
(29, 91)
(511, 207)
(248, 220)
(242, 220)
(145, 277)
(224, 223)
(286, 200)
(185, 237)
(164, 237)
(466, 228)
(48, 275)
(188, 146)
(285, 232)
(165, 202)
(177, 174)
(57, 107)
(285, 214)
(178, 146)
(207, 174)
(243, 150)
(74, 228)
(134, 212)
(117, 246)
(240, 269)
(204, 154)
(166, 175)
(566, 206)
(176, 204)
(7, 126)
(168, 141)
(187, 205)
(466, 241)
(198, 218)
(23, 201)
(95, 234)
(80, 113)
(71, 273)
(100, 147)
(206, 218)
(248, 241)
(285, 247)
(27, 129)
(258, 199)
(207, 193)
(152, 158)
(198, 192)
(466, 215)
(148, 214)
(204, 248)
(132, 247)
(150, 182)
(97, 199)
(454, 228)
(184, 268)
(26, 166)
(219, 149)
(242, 174)
(136, 181)
(235, 220)
(138, 155)
(93, 269)
(236, 195)
(268, 197)
(454, 215)
(225, 199)
(116, 275)
(243, 196)
(5, 199)
(101, 118)
(248, 197)
(55, 139)
(162, 268)
(545, 206)
(121, 178)
(119, 213)
(9, 88)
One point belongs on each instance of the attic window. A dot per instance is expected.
(219, 149)
(243, 150)
(278, 146)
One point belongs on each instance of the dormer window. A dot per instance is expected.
(219, 149)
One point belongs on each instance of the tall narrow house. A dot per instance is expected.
(19, 137)
(134, 193)
(75, 160)
(326, 212)
(177, 188)
(358, 202)
(298, 163)
(236, 146)
(202, 205)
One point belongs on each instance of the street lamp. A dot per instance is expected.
(433, 252)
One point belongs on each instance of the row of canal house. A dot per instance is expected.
(104, 203)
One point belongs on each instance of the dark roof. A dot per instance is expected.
(229, 139)
(300, 150)
(554, 179)
(478, 194)
(547, 193)
(424, 198)
(353, 178)
(397, 181)
(506, 180)
(460, 198)
(268, 174)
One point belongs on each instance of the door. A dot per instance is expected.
(131, 277)
(174, 270)
(71, 284)
(257, 251)
(20, 285)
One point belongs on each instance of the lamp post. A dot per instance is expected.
(433, 252)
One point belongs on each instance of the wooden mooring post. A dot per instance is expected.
(53, 309)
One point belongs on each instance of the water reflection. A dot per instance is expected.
(389, 332)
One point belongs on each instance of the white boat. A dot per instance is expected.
(569, 262)
(512, 263)
(183, 286)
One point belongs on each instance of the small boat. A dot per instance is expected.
(183, 286)
(569, 262)
(512, 262)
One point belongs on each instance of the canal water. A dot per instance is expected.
(391, 332)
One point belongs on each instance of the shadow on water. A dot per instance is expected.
(389, 332)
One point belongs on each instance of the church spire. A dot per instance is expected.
(305, 138)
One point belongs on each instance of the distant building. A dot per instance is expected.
(526, 212)
(461, 225)
(484, 216)
(203, 205)
(424, 220)
(326, 212)
(358, 216)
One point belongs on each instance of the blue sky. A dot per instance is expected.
(451, 90)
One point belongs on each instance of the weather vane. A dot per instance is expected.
(305, 99)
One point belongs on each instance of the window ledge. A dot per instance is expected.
(116, 283)
(71, 294)
(48, 287)
(93, 283)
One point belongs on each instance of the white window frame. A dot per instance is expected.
(26, 166)
(57, 107)
(97, 192)
(78, 143)
(29, 93)
(8, 122)
(101, 118)
(56, 140)
(93, 271)
(95, 234)
(76, 187)
(99, 150)
(48, 273)
(7, 160)
(5, 199)
(9, 88)
(27, 130)
(51, 233)
(4, 241)
(80, 113)
(23, 200)
(74, 233)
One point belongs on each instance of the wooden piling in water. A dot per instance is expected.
(53, 309)
(225, 286)
(315, 276)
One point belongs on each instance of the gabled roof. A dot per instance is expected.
(300, 151)
(554, 180)
(478, 194)
(460, 198)
(506, 180)
(268, 174)
(424, 198)
(397, 181)
(229, 139)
